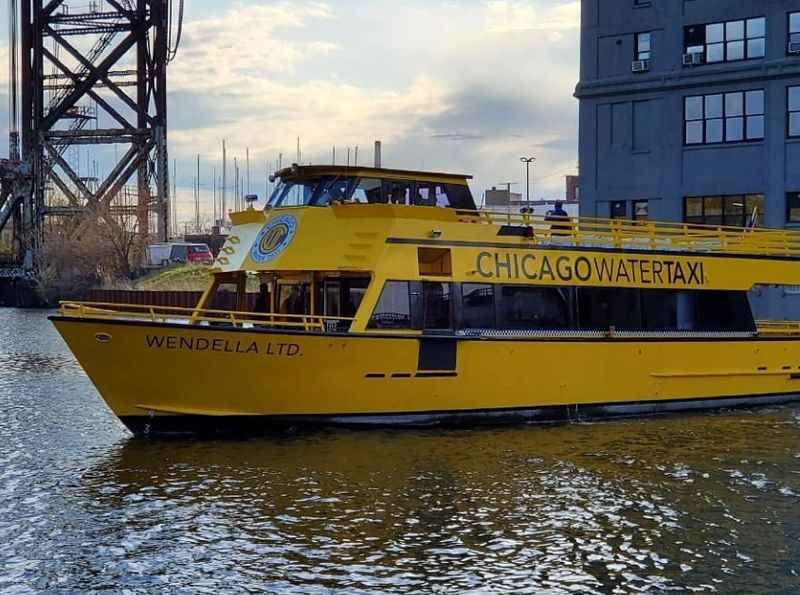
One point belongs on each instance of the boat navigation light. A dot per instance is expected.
(436, 233)
(251, 200)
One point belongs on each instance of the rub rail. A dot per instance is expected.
(170, 314)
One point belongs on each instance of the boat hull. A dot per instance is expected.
(173, 378)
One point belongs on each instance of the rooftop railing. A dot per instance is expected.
(644, 235)
(778, 328)
(192, 316)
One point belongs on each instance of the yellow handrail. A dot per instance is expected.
(653, 235)
(778, 327)
(194, 315)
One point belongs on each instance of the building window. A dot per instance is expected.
(727, 42)
(724, 118)
(793, 207)
(794, 27)
(641, 209)
(733, 210)
(644, 46)
(793, 105)
(618, 210)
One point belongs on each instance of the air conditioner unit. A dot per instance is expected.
(640, 66)
(794, 47)
(693, 59)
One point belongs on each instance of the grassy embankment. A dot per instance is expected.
(177, 278)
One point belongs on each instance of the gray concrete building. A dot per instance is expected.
(690, 111)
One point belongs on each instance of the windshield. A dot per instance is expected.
(319, 192)
(342, 189)
(293, 194)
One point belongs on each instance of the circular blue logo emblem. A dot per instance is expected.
(273, 239)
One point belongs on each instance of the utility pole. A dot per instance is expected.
(224, 214)
(528, 161)
(247, 153)
(214, 197)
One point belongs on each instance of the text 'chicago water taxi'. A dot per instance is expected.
(387, 298)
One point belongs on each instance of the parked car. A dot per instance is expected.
(162, 255)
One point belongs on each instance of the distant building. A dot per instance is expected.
(571, 192)
(502, 198)
(690, 111)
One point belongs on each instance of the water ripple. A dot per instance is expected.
(695, 503)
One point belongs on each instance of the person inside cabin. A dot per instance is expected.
(558, 218)
(398, 194)
(295, 302)
(263, 302)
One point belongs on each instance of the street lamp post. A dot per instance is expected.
(528, 161)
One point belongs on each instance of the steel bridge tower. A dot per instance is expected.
(91, 74)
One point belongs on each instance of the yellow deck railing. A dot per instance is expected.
(163, 314)
(781, 328)
(646, 235)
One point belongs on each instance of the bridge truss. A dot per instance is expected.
(91, 119)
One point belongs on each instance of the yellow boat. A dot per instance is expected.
(389, 298)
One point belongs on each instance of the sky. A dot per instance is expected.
(466, 86)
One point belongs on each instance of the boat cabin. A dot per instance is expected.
(341, 249)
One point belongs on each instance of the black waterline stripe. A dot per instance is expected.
(789, 396)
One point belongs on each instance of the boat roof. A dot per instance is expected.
(314, 171)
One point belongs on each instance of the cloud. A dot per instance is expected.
(508, 16)
(243, 46)
(458, 86)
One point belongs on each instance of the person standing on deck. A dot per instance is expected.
(560, 224)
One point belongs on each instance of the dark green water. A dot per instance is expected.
(705, 503)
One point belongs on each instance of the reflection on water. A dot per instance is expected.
(704, 503)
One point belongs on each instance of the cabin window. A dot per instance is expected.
(460, 197)
(394, 307)
(336, 189)
(477, 306)
(429, 194)
(602, 308)
(397, 192)
(294, 298)
(726, 311)
(435, 262)
(225, 298)
(353, 291)
(437, 305)
(368, 191)
(528, 307)
(293, 194)
(659, 310)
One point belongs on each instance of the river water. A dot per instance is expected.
(705, 503)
